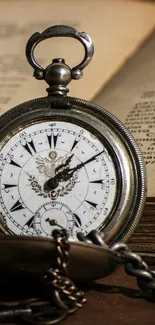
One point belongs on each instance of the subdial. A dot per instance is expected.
(53, 215)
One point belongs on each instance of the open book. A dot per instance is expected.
(117, 27)
(130, 95)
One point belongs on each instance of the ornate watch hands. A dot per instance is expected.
(53, 182)
(66, 173)
(62, 176)
(63, 165)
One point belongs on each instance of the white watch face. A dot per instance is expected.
(56, 175)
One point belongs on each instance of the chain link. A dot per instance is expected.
(135, 266)
(67, 293)
(62, 245)
(62, 295)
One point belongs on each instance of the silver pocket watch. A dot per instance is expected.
(66, 162)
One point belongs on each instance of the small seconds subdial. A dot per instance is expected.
(53, 215)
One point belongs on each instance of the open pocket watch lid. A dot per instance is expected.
(74, 164)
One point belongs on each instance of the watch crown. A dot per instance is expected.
(58, 76)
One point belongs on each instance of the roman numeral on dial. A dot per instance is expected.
(78, 222)
(49, 140)
(30, 147)
(29, 223)
(6, 186)
(12, 162)
(94, 205)
(17, 206)
(74, 144)
(100, 181)
(54, 138)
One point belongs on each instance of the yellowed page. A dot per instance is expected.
(116, 26)
(130, 95)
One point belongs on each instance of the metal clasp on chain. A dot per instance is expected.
(134, 265)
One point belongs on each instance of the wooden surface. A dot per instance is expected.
(114, 300)
(143, 239)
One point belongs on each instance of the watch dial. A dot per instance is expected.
(55, 175)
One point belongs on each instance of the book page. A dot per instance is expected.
(116, 27)
(131, 97)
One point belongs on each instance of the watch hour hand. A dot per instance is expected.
(68, 160)
(51, 184)
(66, 174)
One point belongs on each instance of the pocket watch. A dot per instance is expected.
(66, 162)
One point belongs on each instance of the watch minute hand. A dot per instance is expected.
(87, 161)
(93, 158)
(67, 173)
